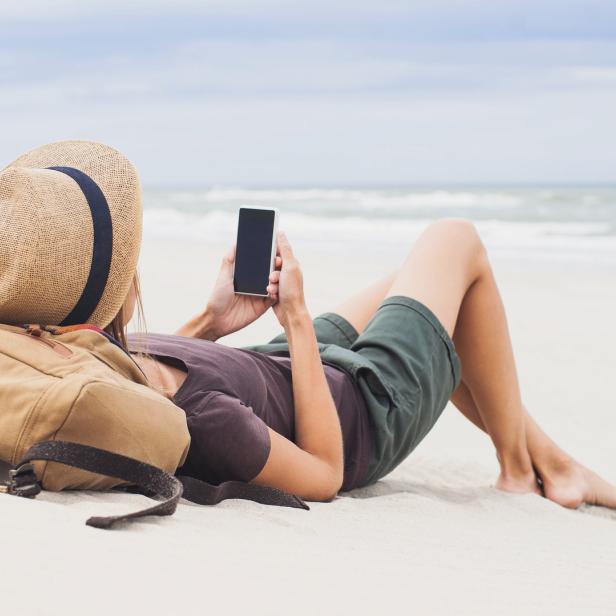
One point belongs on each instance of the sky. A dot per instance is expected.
(247, 93)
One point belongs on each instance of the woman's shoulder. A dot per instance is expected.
(228, 440)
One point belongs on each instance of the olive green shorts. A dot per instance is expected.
(406, 366)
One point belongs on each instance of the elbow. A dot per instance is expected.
(330, 495)
(322, 495)
(324, 486)
(330, 488)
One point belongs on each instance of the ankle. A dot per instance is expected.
(515, 464)
(517, 474)
(555, 467)
(526, 483)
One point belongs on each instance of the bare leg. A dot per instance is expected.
(453, 249)
(361, 306)
(564, 480)
(437, 275)
(448, 271)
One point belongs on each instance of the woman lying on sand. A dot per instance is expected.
(330, 404)
(281, 415)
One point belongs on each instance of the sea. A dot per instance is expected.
(566, 224)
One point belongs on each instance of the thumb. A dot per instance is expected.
(228, 259)
(286, 252)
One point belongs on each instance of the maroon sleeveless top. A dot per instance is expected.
(230, 395)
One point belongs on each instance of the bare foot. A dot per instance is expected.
(572, 484)
(522, 484)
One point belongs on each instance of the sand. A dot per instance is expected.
(432, 538)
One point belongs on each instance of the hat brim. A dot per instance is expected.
(118, 180)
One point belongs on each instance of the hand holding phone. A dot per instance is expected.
(226, 311)
(256, 269)
(290, 283)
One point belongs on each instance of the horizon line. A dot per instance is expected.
(378, 185)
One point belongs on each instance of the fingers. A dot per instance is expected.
(230, 255)
(274, 279)
(272, 289)
(284, 256)
(274, 276)
(273, 282)
(284, 247)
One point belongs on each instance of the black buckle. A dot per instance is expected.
(22, 481)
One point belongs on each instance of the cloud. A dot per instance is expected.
(309, 92)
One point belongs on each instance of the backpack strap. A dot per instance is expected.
(19, 481)
(148, 478)
(202, 493)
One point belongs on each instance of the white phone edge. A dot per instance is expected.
(274, 238)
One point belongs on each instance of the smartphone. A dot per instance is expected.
(255, 250)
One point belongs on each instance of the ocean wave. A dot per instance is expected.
(335, 202)
(565, 205)
(369, 198)
(561, 240)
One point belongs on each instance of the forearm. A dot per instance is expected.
(200, 326)
(317, 425)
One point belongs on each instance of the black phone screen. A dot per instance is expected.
(253, 252)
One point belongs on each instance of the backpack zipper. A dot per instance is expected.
(58, 329)
(34, 333)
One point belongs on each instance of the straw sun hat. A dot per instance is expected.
(70, 234)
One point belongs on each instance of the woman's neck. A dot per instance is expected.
(162, 377)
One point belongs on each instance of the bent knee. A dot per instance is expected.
(462, 232)
(463, 228)
(461, 236)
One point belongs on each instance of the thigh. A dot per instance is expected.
(440, 268)
(359, 308)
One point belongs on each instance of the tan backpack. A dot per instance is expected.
(76, 413)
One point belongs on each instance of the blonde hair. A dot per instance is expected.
(118, 328)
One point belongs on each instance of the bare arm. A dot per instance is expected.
(317, 425)
(312, 467)
(226, 311)
(200, 326)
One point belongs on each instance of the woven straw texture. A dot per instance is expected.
(46, 232)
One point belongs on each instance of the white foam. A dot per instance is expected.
(573, 241)
(339, 200)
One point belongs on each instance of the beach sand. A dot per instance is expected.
(432, 538)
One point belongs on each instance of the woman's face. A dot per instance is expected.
(129, 303)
